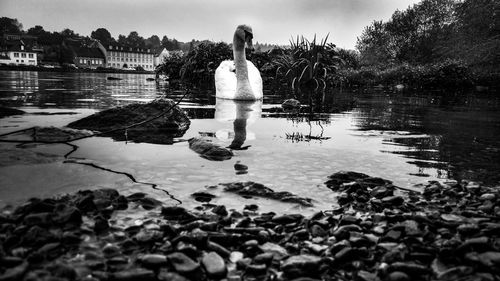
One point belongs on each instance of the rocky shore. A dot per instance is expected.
(450, 231)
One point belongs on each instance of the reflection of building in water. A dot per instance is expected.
(26, 81)
(240, 113)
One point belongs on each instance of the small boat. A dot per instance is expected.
(113, 78)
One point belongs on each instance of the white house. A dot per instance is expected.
(15, 52)
(160, 56)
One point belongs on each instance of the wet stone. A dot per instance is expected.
(175, 212)
(398, 276)
(171, 276)
(153, 260)
(264, 258)
(393, 200)
(15, 273)
(349, 254)
(392, 235)
(159, 130)
(445, 234)
(214, 265)
(291, 104)
(63, 271)
(240, 167)
(137, 274)
(256, 269)
(184, 265)
(220, 210)
(202, 196)
(257, 189)
(38, 219)
(301, 265)
(207, 149)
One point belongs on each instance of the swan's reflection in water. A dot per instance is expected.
(241, 113)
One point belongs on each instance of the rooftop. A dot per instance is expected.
(126, 49)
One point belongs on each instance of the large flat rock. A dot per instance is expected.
(172, 123)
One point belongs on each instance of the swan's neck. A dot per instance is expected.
(243, 89)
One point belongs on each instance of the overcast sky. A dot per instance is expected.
(273, 21)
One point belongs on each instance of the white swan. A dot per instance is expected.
(239, 80)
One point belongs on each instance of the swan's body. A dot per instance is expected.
(239, 79)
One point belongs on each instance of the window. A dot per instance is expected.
(23, 55)
(16, 55)
(30, 56)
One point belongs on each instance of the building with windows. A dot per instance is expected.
(160, 56)
(16, 52)
(85, 53)
(118, 56)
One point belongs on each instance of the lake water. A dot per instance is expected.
(409, 138)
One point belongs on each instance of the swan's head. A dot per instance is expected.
(243, 35)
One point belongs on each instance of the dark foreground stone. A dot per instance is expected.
(7, 111)
(260, 190)
(173, 124)
(450, 232)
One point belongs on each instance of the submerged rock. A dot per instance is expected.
(167, 121)
(291, 104)
(207, 149)
(257, 189)
(7, 111)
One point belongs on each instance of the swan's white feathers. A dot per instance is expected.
(225, 80)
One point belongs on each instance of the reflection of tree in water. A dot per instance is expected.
(460, 136)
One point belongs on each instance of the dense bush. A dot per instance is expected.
(171, 66)
(202, 61)
(446, 74)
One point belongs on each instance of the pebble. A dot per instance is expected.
(301, 265)
(153, 260)
(184, 265)
(136, 274)
(450, 232)
(214, 265)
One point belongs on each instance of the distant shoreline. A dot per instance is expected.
(69, 69)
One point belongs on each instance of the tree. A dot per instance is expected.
(477, 37)
(37, 30)
(136, 41)
(416, 35)
(68, 33)
(122, 40)
(153, 42)
(8, 25)
(373, 44)
(103, 35)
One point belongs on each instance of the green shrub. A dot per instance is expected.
(446, 74)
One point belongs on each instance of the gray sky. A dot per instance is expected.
(273, 21)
